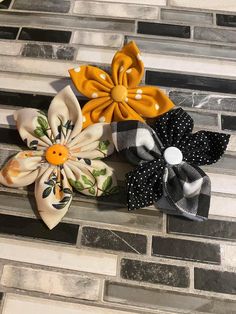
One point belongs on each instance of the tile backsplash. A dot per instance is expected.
(101, 258)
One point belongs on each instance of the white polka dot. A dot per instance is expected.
(103, 76)
(139, 91)
(139, 56)
(138, 96)
(129, 71)
(94, 95)
(102, 119)
(77, 69)
(121, 69)
(84, 119)
(126, 99)
(157, 107)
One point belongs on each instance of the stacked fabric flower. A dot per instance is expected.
(66, 145)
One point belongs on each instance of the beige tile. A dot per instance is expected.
(228, 5)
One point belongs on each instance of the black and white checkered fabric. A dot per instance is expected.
(182, 189)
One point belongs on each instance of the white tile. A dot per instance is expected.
(35, 66)
(223, 206)
(58, 256)
(125, 10)
(20, 304)
(51, 282)
(223, 183)
(228, 255)
(189, 64)
(228, 5)
(10, 48)
(19, 82)
(232, 143)
(97, 39)
(143, 2)
(95, 55)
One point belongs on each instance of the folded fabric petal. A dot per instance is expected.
(64, 157)
(167, 158)
(118, 97)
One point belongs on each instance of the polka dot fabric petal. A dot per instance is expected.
(119, 97)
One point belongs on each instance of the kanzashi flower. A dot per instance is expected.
(167, 157)
(118, 97)
(61, 157)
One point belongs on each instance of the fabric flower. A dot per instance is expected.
(118, 97)
(61, 157)
(167, 157)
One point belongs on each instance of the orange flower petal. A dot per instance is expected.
(91, 81)
(127, 66)
(123, 111)
(149, 101)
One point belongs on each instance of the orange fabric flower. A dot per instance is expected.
(118, 97)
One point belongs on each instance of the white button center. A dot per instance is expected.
(173, 156)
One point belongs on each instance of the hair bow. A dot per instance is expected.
(167, 157)
(118, 97)
(61, 157)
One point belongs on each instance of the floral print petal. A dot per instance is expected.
(53, 195)
(33, 128)
(22, 169)
(93, 178)
(64, 116)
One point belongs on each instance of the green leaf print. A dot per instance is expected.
(46, 192)
(97, 173)
(103, 145)
(86, 180)
(107, 184)
(43, 123)
(92, 191)
(39, 132)
(76, 184)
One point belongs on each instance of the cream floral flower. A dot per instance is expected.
(62, 156)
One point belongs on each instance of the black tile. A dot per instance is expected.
(164, 29)
(5, 4)
(8, 32)
(61, 6)
(228, 122)
(215, 229)
(46, 35)
(213, 280)
(10, 136)
(226, 20)
(48, 52)
(186, 250)
(35, 228)
(169, 275)
(191, 82)
(29, 100)
(114, 240)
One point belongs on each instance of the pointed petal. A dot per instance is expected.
(127, 66)
(53, 195)
(22, 169)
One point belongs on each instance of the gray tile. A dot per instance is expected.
(183, 16)
(204, 119)
(115, 10)
(51, 282)
(183, 47)
(97, 39)
(37, 19)
(163, 299)
(215, 34)
(48, 51)
(200, 100)
(61, 6)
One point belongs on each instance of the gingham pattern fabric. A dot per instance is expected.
(182, 189)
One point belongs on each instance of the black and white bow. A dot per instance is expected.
(167, 156)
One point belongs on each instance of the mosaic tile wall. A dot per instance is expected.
(101, 258)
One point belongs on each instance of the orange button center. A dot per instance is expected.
(57, 154)
(119, 93)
